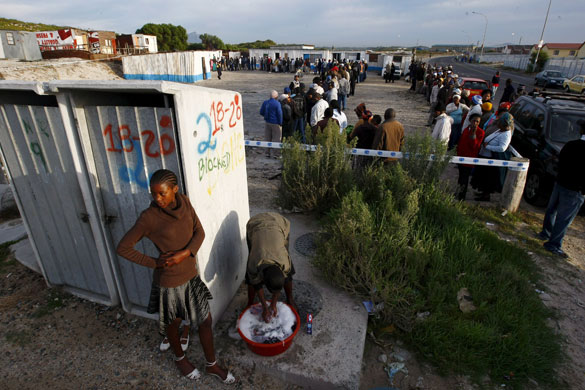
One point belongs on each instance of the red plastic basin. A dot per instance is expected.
(270, 349)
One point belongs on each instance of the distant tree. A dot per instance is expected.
(196, 46)
(542, 59)
(212, 42)
(169, 37)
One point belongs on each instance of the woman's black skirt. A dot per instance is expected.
(187, 301)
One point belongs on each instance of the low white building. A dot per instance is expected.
(307, 52)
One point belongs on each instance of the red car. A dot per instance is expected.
(474, 86)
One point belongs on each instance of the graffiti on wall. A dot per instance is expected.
(93, 39)
(222, 150)
(34, 145)
(55, 40)
(145, 142)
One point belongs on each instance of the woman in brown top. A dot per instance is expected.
(172, 225)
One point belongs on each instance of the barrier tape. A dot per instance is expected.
(512, 165)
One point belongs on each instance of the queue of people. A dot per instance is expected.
(323, 104)
(469, 124)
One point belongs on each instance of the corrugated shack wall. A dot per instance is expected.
(47, 183)
(185, 67)
(113, 136)
(127, 145)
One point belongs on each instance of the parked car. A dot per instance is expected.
(575, 84)
(542, 126)
(549, 78)
(474, 86)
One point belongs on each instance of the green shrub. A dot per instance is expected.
(411, 247)
(394, 236)
(315, 181)
(418, 147)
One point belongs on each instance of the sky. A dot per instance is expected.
(363, 23)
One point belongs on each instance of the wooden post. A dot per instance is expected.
(513, 187)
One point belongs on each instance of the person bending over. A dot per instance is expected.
(269, 263)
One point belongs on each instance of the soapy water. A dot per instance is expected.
(278, 329)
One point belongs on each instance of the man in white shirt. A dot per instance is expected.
(442, 129)
(318, 110)
(339, 115)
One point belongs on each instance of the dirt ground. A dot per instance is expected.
(54, 340)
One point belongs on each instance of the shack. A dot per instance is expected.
(80, 155)
(20, 45)
(136, 44)
(185, 67)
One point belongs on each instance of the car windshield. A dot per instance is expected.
(475, 85)
(554, 74)
(564, 127)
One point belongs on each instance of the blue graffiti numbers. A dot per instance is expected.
(205, 145)
(137, 174)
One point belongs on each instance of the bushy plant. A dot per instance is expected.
(411, 247)
(315, 181)
(417, 149)
(394, 236)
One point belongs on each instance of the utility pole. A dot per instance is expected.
(484, 31)
(540, 43)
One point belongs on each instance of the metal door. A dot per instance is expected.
(128, 145)
(36, 150)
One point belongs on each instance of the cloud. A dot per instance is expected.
(339, 23)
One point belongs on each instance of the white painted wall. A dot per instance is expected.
(217, 184)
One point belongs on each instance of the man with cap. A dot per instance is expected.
(456, 110)
(269, 263)
(271, 110)
(287, 113)
(567, 196)
(318, 110)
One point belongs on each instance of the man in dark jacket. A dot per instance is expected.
(567, 196)
(508, 92)
(299, 111)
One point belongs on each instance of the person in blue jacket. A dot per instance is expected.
(271, 110)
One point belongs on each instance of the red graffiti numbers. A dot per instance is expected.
(219, 113)
(150, 138)
(166, 143)
(108, 132)
(167, 147)
(126, 138)
(165, 121)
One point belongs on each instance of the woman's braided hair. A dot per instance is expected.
(164, 176)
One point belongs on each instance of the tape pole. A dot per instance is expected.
(513, 165)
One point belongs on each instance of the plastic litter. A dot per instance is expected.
(393, 368)
(465, 300)
(278, 329)
(371, 308)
